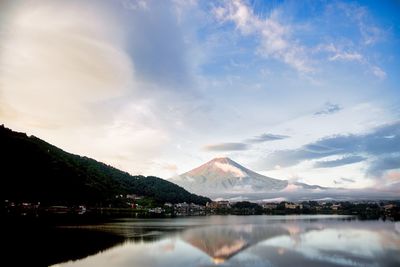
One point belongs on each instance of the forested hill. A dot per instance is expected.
(33, 170)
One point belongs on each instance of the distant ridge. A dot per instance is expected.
(33, 170)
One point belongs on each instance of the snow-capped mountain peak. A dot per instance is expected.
(223, 175)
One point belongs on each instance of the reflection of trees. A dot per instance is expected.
(46, 246)
(134, 233)
(224, 241)
(34, 243)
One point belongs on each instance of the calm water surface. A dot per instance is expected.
(233, 241)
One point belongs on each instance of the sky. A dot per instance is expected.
(300, 90)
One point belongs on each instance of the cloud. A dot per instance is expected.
(339, 162)
(226, 147)
(55, 66)
(378, 72)
(370, 33)
(123, 81)
(275, 38)
(267, 137)
(246, 144)
(350, 55)
(377, 145)
(382, 164)
(157, 44)
(355, 47)
(347, 180)
(135, 5)
(329, 108)
(346, 56)
(393, 176)
(229, 168)
(338, 54)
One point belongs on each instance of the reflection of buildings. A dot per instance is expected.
(224, 241)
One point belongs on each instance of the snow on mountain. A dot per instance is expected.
(223, 178)
(223, 175)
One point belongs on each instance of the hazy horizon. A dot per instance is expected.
(300, 91)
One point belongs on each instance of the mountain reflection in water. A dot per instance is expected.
(224, 241)
(241, 241)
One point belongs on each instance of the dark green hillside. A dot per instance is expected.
(33, 170)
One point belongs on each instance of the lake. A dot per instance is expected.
(301, 240)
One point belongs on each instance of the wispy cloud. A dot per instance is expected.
(378, 72)
(360, 15)
(348, 180)
(350, 54)
(381, 146)
(275, 38)
(339, 162)
(328, 108)
(134, 4)
(339, 53)
(246, 144)
(343, 181)
(346, 56)
(226, 147)
(384, 163)
(267, 137)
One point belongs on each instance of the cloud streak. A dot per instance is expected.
(382, 164)
(267, 137)
(246, 144)
(381, 146)
(329, 108)
(339, 162)
(226, 147)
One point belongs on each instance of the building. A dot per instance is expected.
(389, 206)
(156, 210)
(133, 196)
(223, 204)
(168, 205)
(182, 207)
(269, 206)
(293, 206)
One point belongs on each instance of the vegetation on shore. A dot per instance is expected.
(36, 171)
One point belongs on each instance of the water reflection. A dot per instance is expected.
(224, 241)
(246, 241)
(25, 245)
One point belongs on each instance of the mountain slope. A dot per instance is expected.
(223, 175)
(222, 178)
(37, 171)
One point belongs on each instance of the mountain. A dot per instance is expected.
(33, 170)
(227, 179)
(223, 175)
(223, 178)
